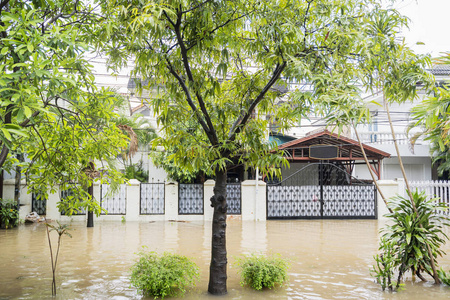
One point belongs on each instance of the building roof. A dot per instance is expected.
(440, 70)
(349, 149)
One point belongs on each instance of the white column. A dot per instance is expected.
(8, 189)
(133, 200)
(208, 192)
(52, 201)
(253, 195)
(171, 200)
(390, 188)
(25, 201)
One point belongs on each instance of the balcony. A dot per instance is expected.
(383, 140)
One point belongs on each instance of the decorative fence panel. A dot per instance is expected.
(349, 201)
(115, 204)
(190, 199)
(434, 189)
(293, 202)
(152, 199)
(38, 205)
(234, 198)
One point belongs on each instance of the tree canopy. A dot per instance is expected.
(218, 70)
(51, 111)
(433, 116)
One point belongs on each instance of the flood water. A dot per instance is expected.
(330, 259)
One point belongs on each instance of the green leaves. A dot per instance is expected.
(51, 110)
(404, 244)
(259, 271)
(165, 275)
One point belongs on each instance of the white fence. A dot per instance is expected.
(434, 189)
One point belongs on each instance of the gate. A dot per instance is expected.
(321, 191)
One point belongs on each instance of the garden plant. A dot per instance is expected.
(260, 271)
(9, 215)
(405, 242)
(164, 275)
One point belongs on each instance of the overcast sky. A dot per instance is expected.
(429, 23)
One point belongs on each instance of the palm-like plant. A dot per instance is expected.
(139, 131)
(411, 233)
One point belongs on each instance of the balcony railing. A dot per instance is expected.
(378, 137)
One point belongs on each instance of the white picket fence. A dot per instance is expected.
(434, 189)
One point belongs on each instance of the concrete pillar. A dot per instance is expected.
(171, 200)
(97, 191)
(25, 201)
(208, 192)
(52, 201)
(401, 187)
(133, 200)
(8, 189)
(390, 188)
(253, 195)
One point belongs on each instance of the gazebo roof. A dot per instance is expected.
(348, 149)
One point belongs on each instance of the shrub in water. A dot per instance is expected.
(163, 275)
(406, 240)
(259, 271)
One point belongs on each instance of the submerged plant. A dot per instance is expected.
(163, 275)
(383, 271)
(407, 243)
(260, 271)
(61, 229)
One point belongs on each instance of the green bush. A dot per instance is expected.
(163, 275)
(136, 171)
(9, 215)
(406, 240)
(259, 271)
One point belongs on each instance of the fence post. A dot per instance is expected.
(254, 204)
(389, 188)
(208, 192)
(133, 200)
(171, 200)
(52, 201)
(25, 201)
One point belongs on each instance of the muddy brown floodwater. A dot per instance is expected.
(330, 259)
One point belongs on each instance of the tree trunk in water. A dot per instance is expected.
(90, 216)
(218, 267)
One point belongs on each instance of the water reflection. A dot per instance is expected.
(329, 259)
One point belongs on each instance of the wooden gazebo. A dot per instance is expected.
(329, 146)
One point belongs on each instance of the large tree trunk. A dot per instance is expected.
(218, 267)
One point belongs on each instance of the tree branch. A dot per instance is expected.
(3, 4)
(189, 99)
(212, 136)
(195, 7)
(239, 124)
(217, 28)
